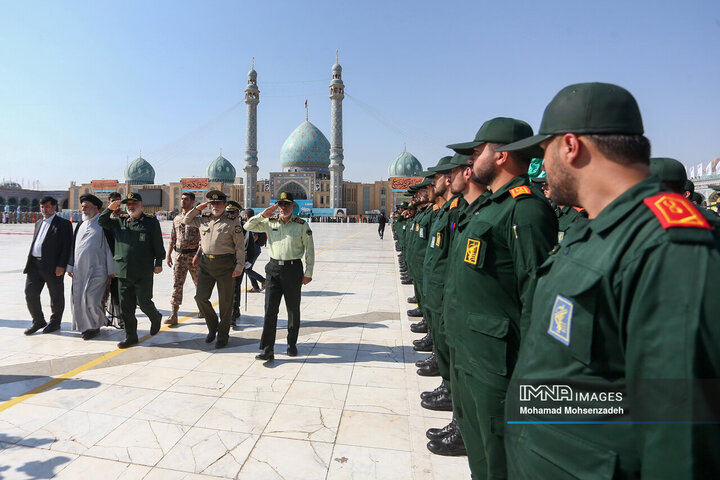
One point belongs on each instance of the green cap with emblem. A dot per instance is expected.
(586, 108)
(132, 197)
(233, 206)
(496, 130)
(689, 186)
(428, 173)
(216, 196)
(459, 160)
(668, 169)
(443, 165)
(285, 197)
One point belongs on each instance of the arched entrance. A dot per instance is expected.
(295, 189)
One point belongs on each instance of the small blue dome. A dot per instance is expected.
(405, 165)
(306, 149)
(221, 170)
(337, 68)
(140, 172)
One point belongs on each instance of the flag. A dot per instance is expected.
(692, 172)
(717, 168)
(699, 170)
(708, 169)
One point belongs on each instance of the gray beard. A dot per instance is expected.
(136, 214)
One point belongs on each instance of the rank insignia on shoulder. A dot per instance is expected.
(561, 320)
(436, 207)
(299, 220)
(124, 215)
(471, 251)
(455, 203)
(231, 216)
(521, 190)
(207, 214)
(673, 210)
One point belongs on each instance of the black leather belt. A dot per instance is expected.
(285, 262)
(186, 250)
(224, 255)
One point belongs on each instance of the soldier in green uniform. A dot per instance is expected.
(612, 307)
(139, 253)
(566, 215)
(673, 176)
(494, 256)
(288, 238)
(221, 257)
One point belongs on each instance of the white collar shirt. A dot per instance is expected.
(44, 227)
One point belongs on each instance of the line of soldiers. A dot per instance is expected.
(577, 281)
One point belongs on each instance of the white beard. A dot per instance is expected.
(86, 217)
(136, 214)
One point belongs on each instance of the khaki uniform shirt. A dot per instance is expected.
(219, 236)
(184, 237)
(286, 241)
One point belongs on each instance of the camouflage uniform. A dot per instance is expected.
(185, 240)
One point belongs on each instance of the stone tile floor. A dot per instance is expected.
(174, 408)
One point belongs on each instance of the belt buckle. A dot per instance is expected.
(212, 257)
(281, 262)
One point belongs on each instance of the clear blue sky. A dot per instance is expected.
(87, 84)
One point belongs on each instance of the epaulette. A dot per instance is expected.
(207, 214)
(274, 217)
(673, 210)
(455, 203)
(521, 191)
(436, 207)
(298, 220)
(578, 209)
(232, 216)
(123, 215)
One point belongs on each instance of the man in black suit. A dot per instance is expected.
(48, 257)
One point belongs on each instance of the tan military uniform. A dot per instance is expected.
(185, 239)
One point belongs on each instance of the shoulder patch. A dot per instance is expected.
(299, 220)
(436, 207)
(673, 210)
(309, 232)
(578, 209)
(238, 229)
(455, 203)
(521, 190)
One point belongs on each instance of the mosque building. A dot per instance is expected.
(311, 168)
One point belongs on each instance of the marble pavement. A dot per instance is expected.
(347, 407)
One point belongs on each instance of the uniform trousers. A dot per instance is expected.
(136, 292)
(183, 265)
(282, 280)
(440, 347)
(34, 283)
(216, 270)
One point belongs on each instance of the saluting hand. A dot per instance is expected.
(202, 206)
(269, 211)
(114, 205)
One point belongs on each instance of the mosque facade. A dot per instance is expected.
(311, 168)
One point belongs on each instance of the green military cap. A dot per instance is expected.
(668, 169)
(542, 179)
(459, 159)
(428, 173)
(427, 181)
(233, 206)
(689, 186)
(216, 196)
(443, 165)
(496, 130)
(285, 197)
(132, 197)
(586, 108)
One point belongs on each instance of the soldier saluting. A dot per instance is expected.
(221, 257)
(288, 238)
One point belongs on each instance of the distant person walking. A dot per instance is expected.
(46, 263)
(259, 241)
(382, 220)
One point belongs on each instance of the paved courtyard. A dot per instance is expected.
(174, 408)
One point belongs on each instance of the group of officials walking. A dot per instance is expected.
(583, 291)
(127, 247)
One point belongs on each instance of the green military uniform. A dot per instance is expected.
(566, 216)
(494, 255)
(641, 306)
(222, 246)
(138, 250)
(417, 242)
(287, 243)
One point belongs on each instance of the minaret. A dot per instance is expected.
(337, 93)
(252, 98)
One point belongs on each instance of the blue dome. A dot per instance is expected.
(405, 165)
(221, 170)
(306, 149)
(140, 172)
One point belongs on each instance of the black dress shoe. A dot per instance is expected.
(34, 328)
(422, 340)
(91, 333)
(210, 337)
(424, 361)
(436, 433)
(221, 343)
(430, 370)
(128, 342)
(52, 327)
(266, 355)
(406, 282)
(292, 351)
(450, 446)
(442, 403)
(419, 327)
(412, 300)
(155, 327)
(415, 312)
(435, 392)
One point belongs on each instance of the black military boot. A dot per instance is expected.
(431, 369)
(415, 312)
(419, 327)
(425, 344)
(412, 300)
(441, 402)
(424, 361)
(435, 392)
(451, 445)
(437, 433)
(406, 281)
